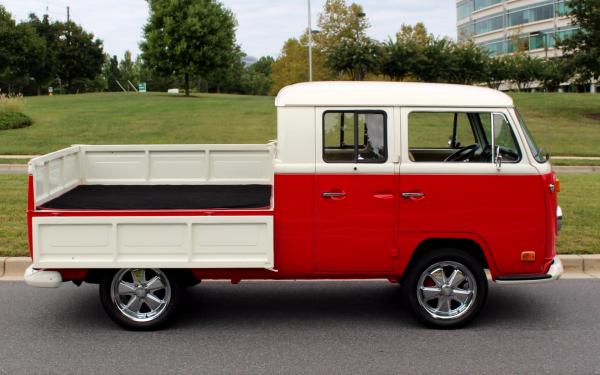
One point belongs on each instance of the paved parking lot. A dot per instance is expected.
(303, 327)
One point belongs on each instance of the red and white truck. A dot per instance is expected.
(428, 185)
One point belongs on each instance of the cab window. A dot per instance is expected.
(354, 137)
(460, 137)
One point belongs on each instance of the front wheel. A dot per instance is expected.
(445, 288)
(139, 299)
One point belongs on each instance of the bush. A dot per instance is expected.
(14, 120)
(11, 103)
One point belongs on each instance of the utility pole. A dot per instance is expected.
(68, 14)
(310, 67)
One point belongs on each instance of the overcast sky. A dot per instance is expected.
(263, 24)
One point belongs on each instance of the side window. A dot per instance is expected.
(464, 137)
(354, 137)
(505, 138)
(439, 130)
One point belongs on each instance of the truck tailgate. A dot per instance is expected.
(153, 242)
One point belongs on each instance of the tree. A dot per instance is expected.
(128, 70)
(340, 22)
(438, 61)
(469, 64)
(400, 59)
(523, 70)
(188, 38)
(356, 58)
(79, 55)
(19, 51)
(554, 72)
(292, 65)
(583, 47)
(496, 71)
(112, 72)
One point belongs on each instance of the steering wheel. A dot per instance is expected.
(463, 153)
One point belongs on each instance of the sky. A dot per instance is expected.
(263, 25)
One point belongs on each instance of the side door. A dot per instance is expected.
(354, 190)
(466, 194)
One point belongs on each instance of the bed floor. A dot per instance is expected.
(162, 197)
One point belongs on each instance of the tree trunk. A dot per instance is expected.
(187, 84)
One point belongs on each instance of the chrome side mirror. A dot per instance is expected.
(498, 159)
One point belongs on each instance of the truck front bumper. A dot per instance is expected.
(554, 273)
(42, 278)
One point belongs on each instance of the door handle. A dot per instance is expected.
(333, 195)
(413, 195)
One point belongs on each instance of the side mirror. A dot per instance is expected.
(498, 159)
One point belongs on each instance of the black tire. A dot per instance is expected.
(421, 283)
(115, 303)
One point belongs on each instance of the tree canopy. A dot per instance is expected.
(189, 38)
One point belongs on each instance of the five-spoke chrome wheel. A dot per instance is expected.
(446, 290)
(138, 298)
(141, 294)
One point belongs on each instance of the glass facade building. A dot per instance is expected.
(507, 26)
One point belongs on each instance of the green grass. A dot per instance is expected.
(571, 162)
(13, 217)
(13, 161)
(122, 118)
(580, 233)
(559, 122)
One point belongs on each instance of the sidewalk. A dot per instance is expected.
(576, 267)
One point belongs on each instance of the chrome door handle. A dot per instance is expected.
(333, 195)
(413, 195)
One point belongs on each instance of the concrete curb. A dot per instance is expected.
(576, 267)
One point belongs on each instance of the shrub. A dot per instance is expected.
(14, 120)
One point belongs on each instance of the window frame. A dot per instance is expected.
(356, 112)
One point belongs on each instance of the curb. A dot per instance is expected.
(575, 267)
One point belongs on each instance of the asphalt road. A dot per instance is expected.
(303, 327)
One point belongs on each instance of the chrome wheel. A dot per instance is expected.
(141, 295)
(446, 290)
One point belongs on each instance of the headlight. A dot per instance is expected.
(559, 217)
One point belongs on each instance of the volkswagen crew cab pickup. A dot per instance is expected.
(427, 185)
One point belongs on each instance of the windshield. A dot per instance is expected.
(535, 150)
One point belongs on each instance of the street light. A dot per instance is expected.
(309, 30)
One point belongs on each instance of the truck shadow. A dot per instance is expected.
(306, 305)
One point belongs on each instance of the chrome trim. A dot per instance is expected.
(559, 218)
(413, 195)
(554, 272)
(42, 278)
(333, 195)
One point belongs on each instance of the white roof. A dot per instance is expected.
(380, 94)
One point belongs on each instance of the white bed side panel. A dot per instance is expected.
(159, 242)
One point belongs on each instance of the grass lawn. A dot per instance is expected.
(559, 122)
(580, 233)
(130, 118)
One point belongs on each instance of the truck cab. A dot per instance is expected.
(427, 185)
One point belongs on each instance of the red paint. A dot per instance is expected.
(372, 231)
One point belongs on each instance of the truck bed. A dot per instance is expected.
(162, 197)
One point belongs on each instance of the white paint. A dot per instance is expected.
(389, 94)
(153, 242)
(55, 174)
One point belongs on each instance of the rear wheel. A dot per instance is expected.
(140, 299)
(445, 288)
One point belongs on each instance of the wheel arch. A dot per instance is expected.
(471, 246)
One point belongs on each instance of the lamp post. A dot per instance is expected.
(309, 30)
